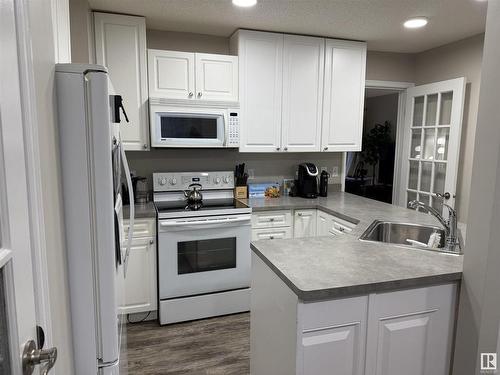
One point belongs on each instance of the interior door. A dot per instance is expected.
(432, 130)
(17, 305)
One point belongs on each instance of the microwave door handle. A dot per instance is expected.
(132, 208)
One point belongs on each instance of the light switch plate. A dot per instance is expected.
(335, 172)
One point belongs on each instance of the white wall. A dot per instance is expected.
(388, 66)
(43, 52)
(187, 42)
(81, 31)
(479, 312)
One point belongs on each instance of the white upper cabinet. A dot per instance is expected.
(120, 45)
(261, 86)
(187, 75)
(171, 74)
(299, 93)
(345, 65)
(303, 71)
(216, 77)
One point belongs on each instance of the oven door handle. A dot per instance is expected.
(218, 222)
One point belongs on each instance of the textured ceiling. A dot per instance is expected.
(379, 22)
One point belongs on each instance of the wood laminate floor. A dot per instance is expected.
(215, 346)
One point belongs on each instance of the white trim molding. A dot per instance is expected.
(401, 88)
(33, 169)
(61, 30)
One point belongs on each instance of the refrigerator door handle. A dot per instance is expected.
(132, 208)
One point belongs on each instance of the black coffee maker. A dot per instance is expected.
(307, 183)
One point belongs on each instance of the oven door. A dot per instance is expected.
(203, 255)
(192, 127)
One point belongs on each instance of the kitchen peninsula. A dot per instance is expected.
(335, 302)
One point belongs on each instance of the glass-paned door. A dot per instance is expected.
(433, 124)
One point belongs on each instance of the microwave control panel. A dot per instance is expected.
(233, 137)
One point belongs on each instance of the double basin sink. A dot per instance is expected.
(407, 235)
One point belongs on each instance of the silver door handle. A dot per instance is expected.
(33, 357)
(190, 94)
(199, 94)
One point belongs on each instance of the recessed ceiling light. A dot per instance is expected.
(416, 22)
(245, 3)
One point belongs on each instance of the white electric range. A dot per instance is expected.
(203, 248)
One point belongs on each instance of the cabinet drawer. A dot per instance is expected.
(324, 315)
(272, 219)
(271, 234)
(142, 228)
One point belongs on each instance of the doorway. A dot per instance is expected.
(370, 172)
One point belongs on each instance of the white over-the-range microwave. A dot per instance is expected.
(181, 123)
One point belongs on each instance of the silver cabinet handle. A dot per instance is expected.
(286, 149)
(190, 94)
(271, 237)
(199, 94)
(326, 149)
(299, 213)
(151, 242)
(271, 219)
(145, 146)
(277, 148)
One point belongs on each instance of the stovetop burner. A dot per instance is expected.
(194, 206)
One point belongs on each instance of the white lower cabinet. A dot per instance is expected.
(411, 331)
(304, 223)
(408, 331)
(140, 279)
(330, 225)
(333, 337)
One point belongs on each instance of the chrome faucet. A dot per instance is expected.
(450, 225)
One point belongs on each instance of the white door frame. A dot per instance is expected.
(30, 129)
(401, 88)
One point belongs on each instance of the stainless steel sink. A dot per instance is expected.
(399, 233)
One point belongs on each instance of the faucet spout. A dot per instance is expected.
(450, 225)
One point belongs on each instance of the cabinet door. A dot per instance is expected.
(304, 223)
(216, 77)
(322, 223)
(332, 338)
(171, 74)
(260, 80)
(140, 280)
(411, 331)
(303, 75)
(120, 45)
(345, 64)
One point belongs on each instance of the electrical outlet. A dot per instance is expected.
(321, 169)
(251, 174)
(335, 172)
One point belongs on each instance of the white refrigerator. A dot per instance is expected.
(92, 160)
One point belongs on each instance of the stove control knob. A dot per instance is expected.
(162, 181)
(217, 180)
(173, 181)
(227, 179)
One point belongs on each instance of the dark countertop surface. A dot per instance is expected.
(329, 267)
